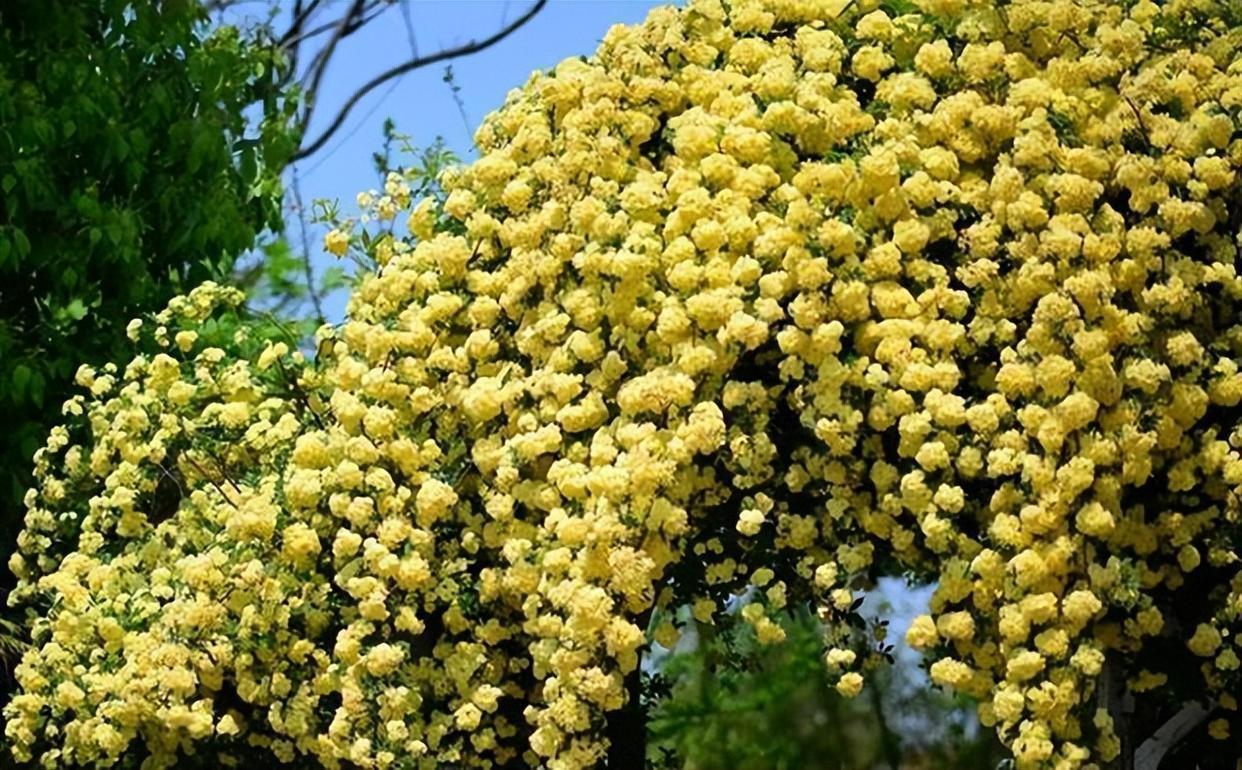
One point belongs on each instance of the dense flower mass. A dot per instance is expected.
(766, 299)
(161, 555)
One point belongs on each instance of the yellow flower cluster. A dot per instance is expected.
(766, 299)
(174, 591)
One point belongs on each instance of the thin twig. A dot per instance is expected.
(320, 64)
(1137, 114)
(214, 483)
(455, 90)
(360, 125)
(409, 29)
(224, 474)
(171, 478)
(299, 394)
(306, 252)
(413, 64)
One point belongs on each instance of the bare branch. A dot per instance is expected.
(413, 64)
(320, 64)
(301, 15)
(375, 9)
(409, 28)
(375, 107)
(306, 252)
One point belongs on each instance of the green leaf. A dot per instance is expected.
(20, 378)
(334, 278)
(36, 389)
(8, 183)
(199, 148)
(76, 310)
(249, 165)
(21, 242)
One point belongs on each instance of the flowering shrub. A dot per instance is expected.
(764, 300)
(158, 547)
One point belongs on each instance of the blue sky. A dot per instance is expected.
(420, 102)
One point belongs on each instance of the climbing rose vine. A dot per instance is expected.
(765, 300)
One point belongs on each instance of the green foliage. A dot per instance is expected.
(279, 276)
(129, 172)
(725, 702)
(424, 167)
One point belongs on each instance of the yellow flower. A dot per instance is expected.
(956, 626)
(698, 305)
(1205, 641)
(336, 242)
(433, 501)
(1219, 729)
(1024, 665)
(951, 673)
(227, 725)
(749, 522)
(850, 684)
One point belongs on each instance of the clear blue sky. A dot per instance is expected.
(421, 102)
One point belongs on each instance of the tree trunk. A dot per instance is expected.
(1138, 753)
(1120, 705)
(627, 728)
(1170, 734)
(890, 744)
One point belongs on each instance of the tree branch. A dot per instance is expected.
(627, 728)
(1171, 733)
(359, 21)
(413, 64)
(1119, 702)
(306, 252)
(301, 15)
(319, 65)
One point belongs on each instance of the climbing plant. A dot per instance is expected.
(765, 300)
